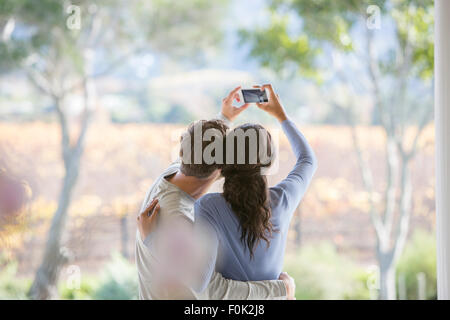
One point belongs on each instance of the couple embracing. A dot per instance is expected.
(192, 244)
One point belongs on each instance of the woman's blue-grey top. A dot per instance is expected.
(229, 255)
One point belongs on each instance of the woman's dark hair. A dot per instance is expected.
(245, 188)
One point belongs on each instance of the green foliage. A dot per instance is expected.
(274, 48)
(321, 273)
(181, 29)
(177, 28)
(415, 29)
(119, 281)
(37, 18)
(85, 292)
(328, 23)
(11, 287)
(178, 114)
(419, 257)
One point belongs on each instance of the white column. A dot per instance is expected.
(442, 123)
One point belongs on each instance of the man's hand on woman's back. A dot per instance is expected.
(290, 285)
(146, 220)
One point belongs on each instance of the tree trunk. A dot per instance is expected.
(387, 283)
(387, 276)
(44, 285)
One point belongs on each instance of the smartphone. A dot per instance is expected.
(253, 95)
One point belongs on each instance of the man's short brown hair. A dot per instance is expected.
(200, 170)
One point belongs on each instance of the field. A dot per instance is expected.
(121, 161)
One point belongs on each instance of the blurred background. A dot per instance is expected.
(94, 95)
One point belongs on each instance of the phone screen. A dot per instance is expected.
(254, 95)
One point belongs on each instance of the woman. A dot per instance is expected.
(247, 224)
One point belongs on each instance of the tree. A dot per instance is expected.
(391, 42)
(62, 48)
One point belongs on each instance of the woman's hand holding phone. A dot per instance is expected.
(273, 106)
(228, 109)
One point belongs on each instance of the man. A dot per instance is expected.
(176, 190)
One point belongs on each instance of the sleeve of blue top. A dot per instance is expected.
(290, 190)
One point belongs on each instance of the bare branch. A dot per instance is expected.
(64, 127)
(426, 118)
(367, 178)
(404, 60)
(7, 29)
(374, 76)
(390, 192)
(39, 82)
(405, 209)
(85, 118)
(366, 173)
(114, 65)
